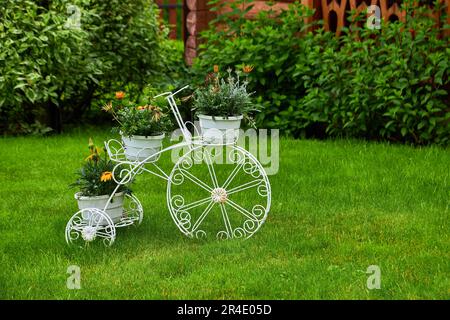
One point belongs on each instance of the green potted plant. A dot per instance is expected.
(142, 127)
(96, 184)
(221, 104)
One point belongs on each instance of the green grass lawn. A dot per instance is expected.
(337, 208)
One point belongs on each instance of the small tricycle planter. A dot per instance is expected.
(232, 202)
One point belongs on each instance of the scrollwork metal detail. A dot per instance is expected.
(90, 224)
(220, 206)
(219, 195)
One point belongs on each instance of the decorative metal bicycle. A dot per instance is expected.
(232, 202)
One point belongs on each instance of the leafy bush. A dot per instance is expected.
(389, 84)
(51, 69)
(126, 36)
(174, 74)
(42, 64)
(270, 45)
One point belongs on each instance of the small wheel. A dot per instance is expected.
(226, 195)
(89, 224)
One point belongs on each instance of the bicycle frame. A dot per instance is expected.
(176, 112)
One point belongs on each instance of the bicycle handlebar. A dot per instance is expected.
(171, 93)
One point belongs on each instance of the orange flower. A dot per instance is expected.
(216, 68)
(247, 69)
(120, 95)
(106, 176)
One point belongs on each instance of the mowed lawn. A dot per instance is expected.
(337, 208)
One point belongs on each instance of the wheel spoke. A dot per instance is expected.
(196, 180)
(103, 234)
(197, 217)
(245, 186)
(226, 220)
(161, 173)
(245, 212)
(194, 204)
(202, 217)
(212, 173)
(233, 173)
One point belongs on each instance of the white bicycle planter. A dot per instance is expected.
(232, 202)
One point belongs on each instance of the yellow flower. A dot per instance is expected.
(216, 68)
(141, 107)
(247, 68)
(107, 107)
(95, 151)
(106, 176)
(120, 95)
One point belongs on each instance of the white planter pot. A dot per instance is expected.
(114, 210)
(220, 130)
(139, 148)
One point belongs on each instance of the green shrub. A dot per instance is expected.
(42, 63)
(265, 43)
(377, 84)
(174, 73)
(50, 71)
(391, 84)
(126, 36)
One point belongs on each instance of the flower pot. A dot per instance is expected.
(220, 130)
(140, 148)
(114, 210)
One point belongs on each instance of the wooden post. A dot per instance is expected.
(173, 19)
(447, 2)
(197, 20)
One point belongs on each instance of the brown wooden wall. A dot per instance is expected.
(333, 12)
(173, 13)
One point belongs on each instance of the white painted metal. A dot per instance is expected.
(219, 193)
(92, 223)
(88, 224)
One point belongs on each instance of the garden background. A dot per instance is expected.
(364, 174)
